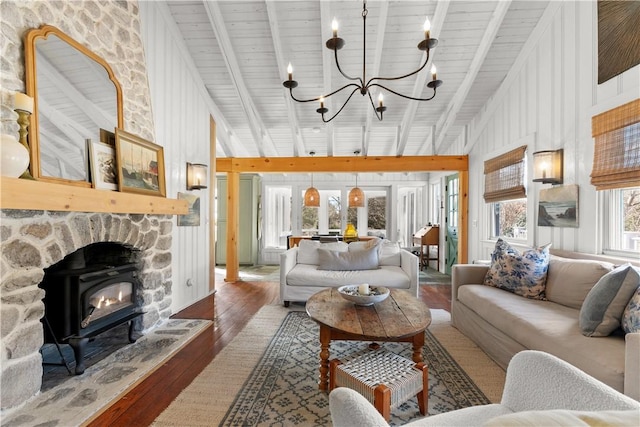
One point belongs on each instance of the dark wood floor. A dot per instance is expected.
(231, 307)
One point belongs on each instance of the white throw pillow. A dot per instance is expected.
(308, 250)
(348, 261)
(389, 253)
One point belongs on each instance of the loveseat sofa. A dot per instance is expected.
(313, 266)
(503, 323)
(540, 390)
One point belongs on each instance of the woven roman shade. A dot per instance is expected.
(504, 176)
(616, 157)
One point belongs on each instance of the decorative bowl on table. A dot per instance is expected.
(354, 294)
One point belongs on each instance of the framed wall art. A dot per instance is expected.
(140, 165)
(193, 217)
(102, 163)
(558, 206)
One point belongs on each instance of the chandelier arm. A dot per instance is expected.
(399, 77)
(357, 87)
(404, 96)
(343, 105)
(346, 76)
(373, 105)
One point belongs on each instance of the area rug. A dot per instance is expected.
(83, 397)
(268, 375)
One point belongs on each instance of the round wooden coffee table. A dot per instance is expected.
(400, 318)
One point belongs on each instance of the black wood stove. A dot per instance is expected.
(84, 300)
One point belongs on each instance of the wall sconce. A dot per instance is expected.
(547, 166)
(196, 176)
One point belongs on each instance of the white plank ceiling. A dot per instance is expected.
(241, 50)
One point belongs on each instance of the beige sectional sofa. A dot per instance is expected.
(302, 273)
(503, 323)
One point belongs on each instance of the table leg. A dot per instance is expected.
(325, 341)
(418, 344)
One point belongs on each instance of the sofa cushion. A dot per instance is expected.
(549, 327)
(602, 309)
(388, 251)
(523, 274)
(631, 316)
(570, 280)
(563, 417)
(309, 276)
(308, 250)
(356, 260)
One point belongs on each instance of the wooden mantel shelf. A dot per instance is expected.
(39, 195)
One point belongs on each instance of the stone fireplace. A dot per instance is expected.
(34, 240)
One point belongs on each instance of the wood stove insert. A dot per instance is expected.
(83, 300)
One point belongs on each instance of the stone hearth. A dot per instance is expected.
(35, 240)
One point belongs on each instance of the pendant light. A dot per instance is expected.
(312, 196)
(356, 196)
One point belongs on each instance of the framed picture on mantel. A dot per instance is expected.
(140, 165)
(102, 159)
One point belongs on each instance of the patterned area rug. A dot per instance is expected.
(279, 385)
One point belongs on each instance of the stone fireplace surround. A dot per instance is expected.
(34, 240)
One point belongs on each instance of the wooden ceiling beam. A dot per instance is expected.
(259, 131)
(299, 148)
(448, 117)
(409, 118)
(344, 164)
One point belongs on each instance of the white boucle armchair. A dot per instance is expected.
(539, 389)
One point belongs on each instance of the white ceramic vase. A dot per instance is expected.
(14, 157)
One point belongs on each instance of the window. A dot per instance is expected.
(324, 219)
(506, 193)
(376, 213)
(333, 213)
(310, 220)
(278, 216)
(624, 212)
(509, 219)
(616, 169)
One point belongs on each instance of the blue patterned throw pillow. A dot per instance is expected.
(631, 316)
(524, 274)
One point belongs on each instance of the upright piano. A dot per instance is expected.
(428, 236)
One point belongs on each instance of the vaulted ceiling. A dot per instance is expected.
(240, 51)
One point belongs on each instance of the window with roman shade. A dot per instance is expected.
(504, 176)
(616, 159)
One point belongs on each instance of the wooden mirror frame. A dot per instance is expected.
(31, 38)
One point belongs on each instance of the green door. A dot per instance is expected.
(451, 221)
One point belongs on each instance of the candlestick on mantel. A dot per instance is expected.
(23, 102)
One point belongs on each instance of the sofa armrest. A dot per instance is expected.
(349, 408)
(466, 274)
(409, 263)
(288, 260)
(540, 381)
(632, 365)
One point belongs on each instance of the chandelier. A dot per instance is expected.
(336, 43)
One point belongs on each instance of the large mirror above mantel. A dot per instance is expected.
(75, 95)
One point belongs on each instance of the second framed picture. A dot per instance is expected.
(104, 175)
(140, 165)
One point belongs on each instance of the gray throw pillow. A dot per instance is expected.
(348, 261)
(603, 307)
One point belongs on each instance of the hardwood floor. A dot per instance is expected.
(231, 307)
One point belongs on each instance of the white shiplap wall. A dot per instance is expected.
(547, 101)
(181, 118)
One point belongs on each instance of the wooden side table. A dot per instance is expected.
(399, 318)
